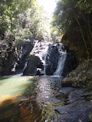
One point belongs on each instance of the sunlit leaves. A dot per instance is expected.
(9, 11)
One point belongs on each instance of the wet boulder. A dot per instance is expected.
(52, 58)
(32, 64)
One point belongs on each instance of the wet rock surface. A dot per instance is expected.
(69, 104)
(75, 112)
(52, 58)
(33, 63)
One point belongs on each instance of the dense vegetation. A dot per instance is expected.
(73, 18)
(47, 98)
(19, 20)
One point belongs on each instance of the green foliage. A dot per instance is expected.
(9, 11)
(74, 19)
(22, 18)
(67, 11)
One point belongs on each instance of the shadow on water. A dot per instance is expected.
(2, 78)
(22, 108)
(9, 111)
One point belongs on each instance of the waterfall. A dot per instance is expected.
(41, 49)
(45, 60)
(60, 65)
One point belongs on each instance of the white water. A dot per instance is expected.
(40, 49)
(60, 65)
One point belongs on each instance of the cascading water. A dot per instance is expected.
(40, 49)
(60, 65)
(57, 61)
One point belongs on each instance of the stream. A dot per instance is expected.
(49, 100)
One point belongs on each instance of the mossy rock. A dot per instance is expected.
(82, 75)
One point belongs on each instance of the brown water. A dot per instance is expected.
(23, 111)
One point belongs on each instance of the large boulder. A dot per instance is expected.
(24, 51)
(32, 64)
(52, 58)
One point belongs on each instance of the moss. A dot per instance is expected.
(82, 75)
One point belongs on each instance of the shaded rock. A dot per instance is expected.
(75, 112)
(75, 95)
(8, 57)
(67, 81)
(81, 76)
(66, 90)
(33, 63)
(24, 51)
(70, 63)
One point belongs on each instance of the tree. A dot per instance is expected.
(9, 11)
(31, 23)
(20, 20)
(74, 19)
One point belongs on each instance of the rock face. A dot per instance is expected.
(25, 49)
(51, 60)
(81, 76)
(8, 57)
(33, 63)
